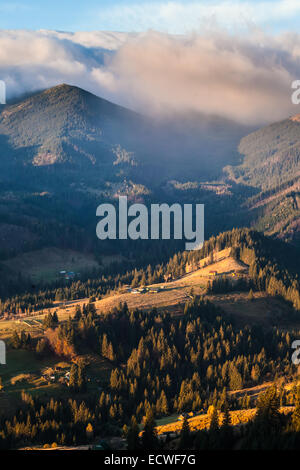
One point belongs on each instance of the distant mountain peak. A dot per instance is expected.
(68, 125)
(65, 88)
(63, 124)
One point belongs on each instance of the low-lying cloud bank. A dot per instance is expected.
(246, 78)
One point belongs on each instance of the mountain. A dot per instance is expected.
(63, 126)
(270, 165)
(68, 127)
(271, 155)
(63, 151)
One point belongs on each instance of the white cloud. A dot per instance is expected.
(243, 77)
(239, 78)
(98, 39)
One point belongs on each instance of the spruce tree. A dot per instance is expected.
(149, 436)
(185, 435)
(267, 412)
(214, 420)
(226, 423)
(296, 413)
(132, 436)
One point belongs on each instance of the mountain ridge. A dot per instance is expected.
(52, 122)
(66, 124)
(64, 148)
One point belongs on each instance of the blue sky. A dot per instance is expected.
(140, 15)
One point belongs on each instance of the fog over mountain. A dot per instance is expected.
(246, 78)
(65, 125)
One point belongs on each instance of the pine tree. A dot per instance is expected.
(296, 413)
(185, 435)
(226, 432)
(41, 347)
(89, 431)
(235, 378)
(81, 379)
(214, 420)
(15, 340)
(267, 411)
(73, 377)
(214, 433)
(226, 423)
(149, 436)
(78, 315)
(250, 295)
(55, 318)
(132, 436)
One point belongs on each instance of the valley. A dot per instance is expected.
(106, 339)
(96, 151)
(29, 373)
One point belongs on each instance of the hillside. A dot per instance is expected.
(63, 125)
(172, 296)
(64, 151)
(215, 328)
(78, 131)
(197, 423)
(270, 164)
(271, 155)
